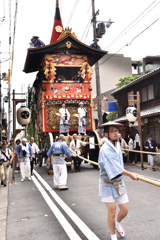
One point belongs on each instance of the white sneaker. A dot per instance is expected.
(22, 180)
(119, 229)
(29, 178)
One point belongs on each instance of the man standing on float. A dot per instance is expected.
(111, 186)
(82, 115)
(64, 118)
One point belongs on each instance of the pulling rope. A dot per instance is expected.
(85, 159)
(127, 150)
(144, 179)
(139, 177)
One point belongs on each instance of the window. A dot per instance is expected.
(144, 94)
(150, 92)
(147, 93)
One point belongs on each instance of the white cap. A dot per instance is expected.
(24, 139)
(80, 103)
(74, 134)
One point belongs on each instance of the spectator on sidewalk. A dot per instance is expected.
(17, 168)
(58, 150)
(4, 167)
(137, 147)
(131, 147)
(151, 146)
(10, 146)
(35, 151)
(124, 145)
(23, 152)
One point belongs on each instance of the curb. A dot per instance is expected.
(3, 211)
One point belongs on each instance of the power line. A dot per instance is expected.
(86, 27)
(89, 8)
(143, 16)
(122, 32)
(143, 31)
(130, 42)
(113, 54)
(87, 33)
(72, 13)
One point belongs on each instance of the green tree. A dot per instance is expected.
(125, 80)
(31, 130)
(111, 116)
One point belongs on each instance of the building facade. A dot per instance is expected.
(111, 68)
(149, 88)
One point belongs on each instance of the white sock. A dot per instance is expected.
(114, 237)
(118, 225)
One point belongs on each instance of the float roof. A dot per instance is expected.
(35, 55)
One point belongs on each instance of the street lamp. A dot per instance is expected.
(131, 114)
(134, 113)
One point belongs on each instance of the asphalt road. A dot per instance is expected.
(30, 217)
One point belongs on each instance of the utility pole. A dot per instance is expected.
(98, 87)
(9, 72)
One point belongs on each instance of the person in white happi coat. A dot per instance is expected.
(82, 115)
(111, 186)
(75, 146)
(65, 116)
(59, 149)
(24, 151)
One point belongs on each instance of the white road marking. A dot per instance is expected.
(80, 224)
(62, 220)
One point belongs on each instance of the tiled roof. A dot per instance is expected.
(157, 70)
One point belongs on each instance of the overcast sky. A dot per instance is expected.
(36, 18)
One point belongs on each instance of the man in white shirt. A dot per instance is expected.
(82, 115)
(64, 118)
(24, 155)
(6, 161)
(35, 151)
(75, 146)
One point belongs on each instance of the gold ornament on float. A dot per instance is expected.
(68, 44)
(58, 29)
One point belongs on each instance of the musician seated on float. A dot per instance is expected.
(58, 79)
(79, 77)
(39, 78)
(74, 78)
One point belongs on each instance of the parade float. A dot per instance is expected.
(61, 60)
